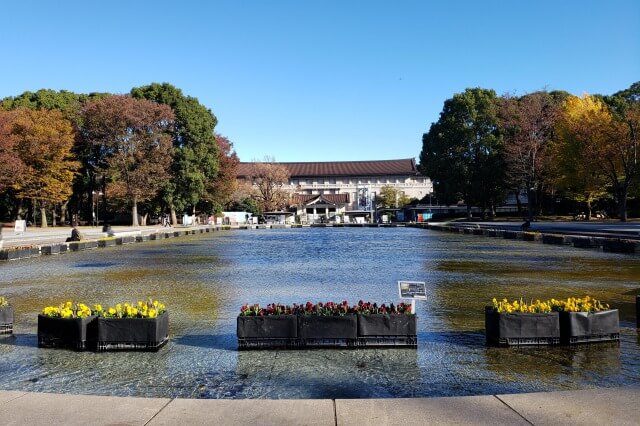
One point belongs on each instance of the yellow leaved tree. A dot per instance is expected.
(592, 153)
(43, 142)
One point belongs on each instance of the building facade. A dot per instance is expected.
(345, 190)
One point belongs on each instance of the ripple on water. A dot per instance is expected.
(204, 279)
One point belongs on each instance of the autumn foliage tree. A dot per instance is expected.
(11, 167)
(135, 140)
(268, 178)
(195, 159)
(43, 143)
(527, 125)
(606, 147)
(220, 190)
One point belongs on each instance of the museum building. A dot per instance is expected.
(326, 190)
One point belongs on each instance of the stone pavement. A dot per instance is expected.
(617, 406)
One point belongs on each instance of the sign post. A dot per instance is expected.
(412, 290)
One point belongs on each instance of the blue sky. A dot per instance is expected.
(321, 80)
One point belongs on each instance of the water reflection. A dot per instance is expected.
(206, 278)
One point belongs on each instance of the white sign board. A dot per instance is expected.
(412, 290)
(21, 226)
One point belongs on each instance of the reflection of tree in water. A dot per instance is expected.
(334, 373)
(589, 363)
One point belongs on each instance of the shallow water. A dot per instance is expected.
(204, 280)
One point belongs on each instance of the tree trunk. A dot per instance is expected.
(53, 215)
(518, 203)
(134, 212)
(64, 214)
(174, 218)
(622, 203)
(144, 219)
(530, 204)
(468, 212)
(588, 215)
(43, 218)
(19, 210)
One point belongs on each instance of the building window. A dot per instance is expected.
(321, 181)
(309, 210)
(332, 181)
(309, 181)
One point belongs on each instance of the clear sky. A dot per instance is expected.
(321, 80)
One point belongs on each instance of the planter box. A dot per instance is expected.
(125, 240)
(510, 235)
(131, 333)
(6, 320)
(619, 246)
(23, 253)
(387, 330)
(63, 332)
(142, 238)
(531, 236)
(554, 239)
(584, 242)
(77, 245)
(107, 242)
(267, 332)
(521, 328)
(53, 249)
(319, 331)
(477, 231)
(584, 327)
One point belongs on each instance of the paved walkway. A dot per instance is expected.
(617, 406)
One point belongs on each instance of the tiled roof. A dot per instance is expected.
(406, 166)
(300, 199)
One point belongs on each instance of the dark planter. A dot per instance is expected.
(619, 246)
(318, 331)
(553, 239)
(78, 245)
(107, 242)
(53, 249)
(531, 236)
(584, 242)
(638, 311)
(584, 327)
(63, 332)
(387, 330)
(20, 253)
(6, 319)
(267, 331)
(142, 238)
(125, 240)
(132, 333)
(478, 231)
(510, 235)
(521, 328)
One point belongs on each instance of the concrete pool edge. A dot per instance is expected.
(592, 406)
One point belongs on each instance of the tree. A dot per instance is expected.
(134, 137)
(196, 160)
(11, 167)
(527, 125)
(391, 198)
(43, 142)
(268, 178)
(461, 153)
(220, 190)
(608, 145)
